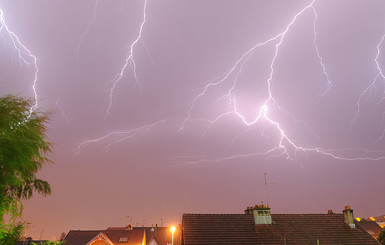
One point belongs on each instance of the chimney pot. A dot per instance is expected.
(330, 211)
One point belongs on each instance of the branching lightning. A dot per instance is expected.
(329, 82)
(371, 87)
(24, 55)
(120, 135)
(129, 60)
(285, 146)
(61, 110)
(88, 28)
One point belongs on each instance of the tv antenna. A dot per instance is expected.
(266, 189)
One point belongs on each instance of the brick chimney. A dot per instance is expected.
(348, 217)
(261, 214)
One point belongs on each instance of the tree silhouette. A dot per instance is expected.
(23, 150)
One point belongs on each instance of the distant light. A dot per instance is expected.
(172, 229)
(372, 219)
(358, 219)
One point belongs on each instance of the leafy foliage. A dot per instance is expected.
(23, 150)
(49, 243)
(10, 234)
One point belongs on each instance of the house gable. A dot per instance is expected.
(100, 239)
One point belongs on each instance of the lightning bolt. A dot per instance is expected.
(329, 82)
(88, 28)
(61, 110)
(285, 146)
(129, 60)
(371, 87)
(120, 135)
(24, 54)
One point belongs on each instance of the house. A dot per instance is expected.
(380, 220)
(371, 227)
(124, 236)
(258, 226)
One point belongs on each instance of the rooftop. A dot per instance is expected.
(285, 229)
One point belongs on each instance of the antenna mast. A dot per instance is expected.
(267, 191)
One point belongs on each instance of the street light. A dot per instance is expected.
(172, 229)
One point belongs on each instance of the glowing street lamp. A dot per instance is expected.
(172, 229)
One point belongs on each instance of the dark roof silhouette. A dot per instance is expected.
(289, 228)
(157, 235)
(218, 229)
(371, 227)
(80, 237)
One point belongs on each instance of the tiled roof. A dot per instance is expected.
(371, 227)
(83, 237)
(380, 218)
(77, 237)
(134, 236)
(327, 228)
(157, 235)
(218, 229)
(289, 228)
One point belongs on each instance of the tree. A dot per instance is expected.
(23, 151)
(49, 243)
(10, 233)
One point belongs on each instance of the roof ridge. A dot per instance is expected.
(310, 214)
(88, 230)
(212, 214)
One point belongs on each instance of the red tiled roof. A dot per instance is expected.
(161, 235)
(327, 228)
(218, 229)
(134, 236)
(292, 228)
(371, 227)
(83, 237)
(380, 218)
(77, 237)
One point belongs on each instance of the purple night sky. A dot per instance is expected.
(213, 95)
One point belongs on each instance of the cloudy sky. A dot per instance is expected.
(165, 107)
